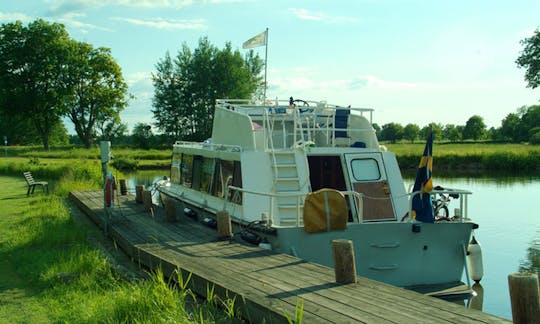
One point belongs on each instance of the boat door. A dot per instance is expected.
(367, 176)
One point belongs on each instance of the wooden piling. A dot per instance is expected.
(147, 200)
(344, 264)
(138, 193)
(224, 226)
(123, 188)
(524, 297)
(170, 211)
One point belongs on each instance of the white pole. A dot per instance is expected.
(265, 63)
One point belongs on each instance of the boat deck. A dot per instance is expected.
(267, 286)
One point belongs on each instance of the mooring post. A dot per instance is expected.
(224, 226)
(524, 297)
(344, 263)
(138, 193)
(123, 188)
(170, 211)
(147, 200)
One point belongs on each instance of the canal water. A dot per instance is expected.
(509, 233)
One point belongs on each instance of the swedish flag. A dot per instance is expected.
(422, 205)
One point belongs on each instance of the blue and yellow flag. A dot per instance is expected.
(422, 205)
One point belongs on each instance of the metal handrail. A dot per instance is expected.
(463, 200)
(358, 202)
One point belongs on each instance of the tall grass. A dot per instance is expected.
(62, 279)
(496, 157)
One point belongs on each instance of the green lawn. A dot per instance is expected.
(50, 274)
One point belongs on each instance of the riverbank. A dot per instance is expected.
(463, 158)
(52, 268)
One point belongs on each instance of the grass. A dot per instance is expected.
(49, 273)
(473, 157)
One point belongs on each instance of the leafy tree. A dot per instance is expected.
(474, 128)
(33, 73)
(377, 129)
(97, 89)
(529, 59)
(436, 128)
(410, 132)
(530, 118)
(111, 129)
(510, 127)
(392, 132)
(451, 133)
(186, 88)
(141, 135)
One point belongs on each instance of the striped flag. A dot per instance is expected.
(422, 205)
(256, 41)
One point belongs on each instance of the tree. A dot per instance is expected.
(97, 89)
(392, 132)
(186, 88)
(411, 131)
(436, 128)
(529, 59)
(33, 73)
(141, 135)
(530, 118)
(451, 133)
(474, 128)
(510, 128)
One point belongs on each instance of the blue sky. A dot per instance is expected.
(412, 61)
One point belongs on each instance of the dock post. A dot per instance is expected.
(147, 200)
(123, 188)
(224, 226)
(344, 263)
(524, 297)
(138, 193)
(170, 211)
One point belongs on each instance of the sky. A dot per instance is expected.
(413, 61)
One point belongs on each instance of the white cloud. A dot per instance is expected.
(72, 20)
(13, 16)
(166, 24)
(319, 16)
(60, 7)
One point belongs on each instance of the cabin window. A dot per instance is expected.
(365, 169)
(207, 175)
(186, 170)
(226, 169)
(237, 182)
(175, 167)
(197, 172)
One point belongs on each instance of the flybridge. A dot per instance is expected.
(283, 124)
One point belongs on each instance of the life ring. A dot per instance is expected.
(109, 190)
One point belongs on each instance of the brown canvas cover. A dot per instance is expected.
(319, 218)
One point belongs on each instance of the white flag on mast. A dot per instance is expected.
(256, 41)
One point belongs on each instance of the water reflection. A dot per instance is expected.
(144, 177)
(532, 263)
(477, 301)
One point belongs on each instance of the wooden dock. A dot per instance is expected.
(267, 286)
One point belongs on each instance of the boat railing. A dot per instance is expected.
(307, 119)
(357, 201)
(461, 214)
(209, 145)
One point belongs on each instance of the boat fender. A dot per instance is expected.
(190, 213)
(109, 189)
(210, 222)
(250, 237)
(474, 256)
